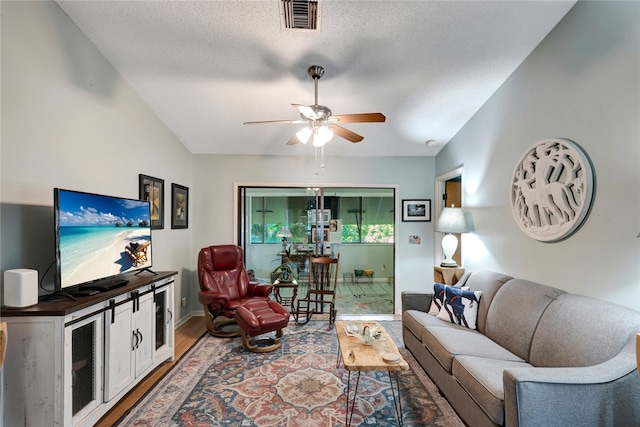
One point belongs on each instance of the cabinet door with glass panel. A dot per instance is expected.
(163, 323)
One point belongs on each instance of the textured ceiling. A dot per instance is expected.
(206, 67)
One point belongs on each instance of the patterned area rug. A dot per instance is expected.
(218, 383)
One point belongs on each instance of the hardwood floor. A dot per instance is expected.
(185, 336)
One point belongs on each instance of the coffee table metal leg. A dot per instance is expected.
(397, 402)
(339, 354)
(353, 403)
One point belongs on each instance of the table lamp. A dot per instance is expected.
(284, 234)
(451, 221)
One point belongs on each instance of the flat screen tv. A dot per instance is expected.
(99, 238)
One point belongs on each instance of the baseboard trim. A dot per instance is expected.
(186, 318)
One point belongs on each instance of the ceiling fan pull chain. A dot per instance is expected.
(322, 157)
(315, 160)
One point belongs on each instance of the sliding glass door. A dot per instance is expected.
(357, 223)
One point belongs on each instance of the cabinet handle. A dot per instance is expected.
(136, 338)
(112, 307)
(171, 315)
(135, 299)
(140, 334)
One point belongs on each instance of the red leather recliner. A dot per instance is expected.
(225, 286)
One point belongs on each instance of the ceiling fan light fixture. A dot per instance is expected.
(320, 122)
(321, 136)
(304, 134)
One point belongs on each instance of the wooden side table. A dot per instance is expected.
(447, 275)
(286, 299)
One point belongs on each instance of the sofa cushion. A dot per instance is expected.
(445, 343)
(515, 312)
(415, 321)
(460, 306)
(481, 377)
(487, 282)
(573, 328)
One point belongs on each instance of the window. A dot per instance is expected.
(364, 219)
(367, 219)
(269, 215)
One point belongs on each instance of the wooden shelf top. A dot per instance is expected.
(65, 306)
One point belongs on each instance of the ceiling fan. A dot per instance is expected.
(320, 121)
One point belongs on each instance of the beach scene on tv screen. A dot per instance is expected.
(101, 236)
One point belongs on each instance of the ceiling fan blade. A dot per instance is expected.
(307, 111)
(275, 121)
(346, 133)
(294, 140)
(359, 118)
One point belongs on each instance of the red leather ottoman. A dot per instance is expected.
(258, 318)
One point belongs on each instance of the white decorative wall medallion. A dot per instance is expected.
(551, 189)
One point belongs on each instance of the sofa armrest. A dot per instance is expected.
(607, 393)
(416, 301)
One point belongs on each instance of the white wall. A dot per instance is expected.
(214, 210)
(582, 83)
(69, 120)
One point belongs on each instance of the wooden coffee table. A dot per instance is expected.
(356, 356)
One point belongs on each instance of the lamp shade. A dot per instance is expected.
(304, 134)
(452, 220)
(321, 136)
(284, 232)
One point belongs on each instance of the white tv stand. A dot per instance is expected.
(69, 362)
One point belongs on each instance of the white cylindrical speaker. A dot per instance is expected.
(20, 287)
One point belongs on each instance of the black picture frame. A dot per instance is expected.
(416, 210)
(179, 206)
(152, 189)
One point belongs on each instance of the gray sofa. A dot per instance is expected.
(539, 357)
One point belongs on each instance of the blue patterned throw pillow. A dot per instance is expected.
(460, 306)
(438, 298)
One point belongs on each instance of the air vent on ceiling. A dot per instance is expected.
(299, 14)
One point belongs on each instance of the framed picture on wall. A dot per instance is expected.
(416, 210)
(179, 206)
(152, 189)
